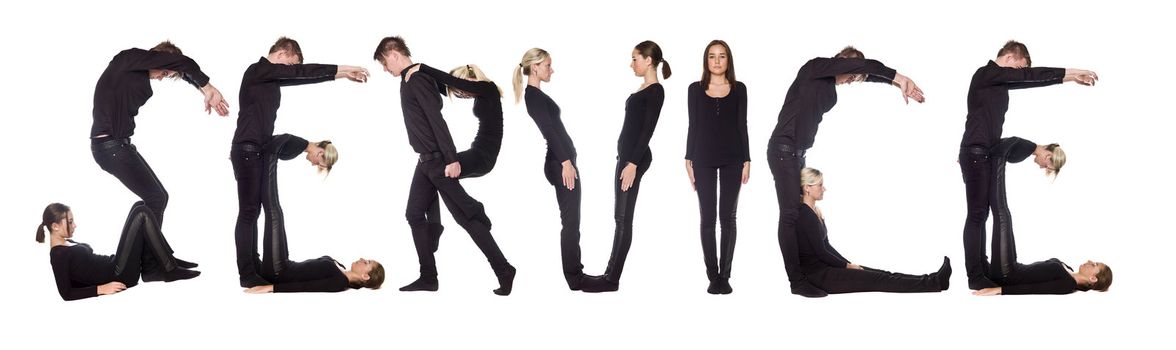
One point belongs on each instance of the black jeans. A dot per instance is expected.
(624, 207)
(427, 182)
(976, 168)
(1004, 247)
(836, 280)
(140, 244)
(727, 183)
(786, 163)
(249, 170)
(120, 158)
(569, 216)
(475, 162)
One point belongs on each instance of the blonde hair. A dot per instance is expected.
(532, 56)
(330, 155)
(810, 176)
(469, 72)
(1058, 159)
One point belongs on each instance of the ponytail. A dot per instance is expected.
(665, 69)
(651, 50)
(41, 233)
(518, 83)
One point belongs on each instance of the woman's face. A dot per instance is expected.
(640, 64)
(716, 60)
(315, 156)
(1090, 268)
(850, 78)
(160, 74)
(64, 227)
(816, 191)
(363, 266)
(543, 70)
(1044, 160)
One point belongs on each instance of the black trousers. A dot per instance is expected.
(141, 244)
(1004, 247)
(837, 280)
(249, 170)
(623, 209)
(121, 158)
(726, 180)
(569, 216)
(786, 164)
(477, 161)
(427, 182)
(976, 168)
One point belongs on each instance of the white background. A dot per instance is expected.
(895, 197)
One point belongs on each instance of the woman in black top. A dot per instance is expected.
(813, 93)
(559, 166)
(1043, 277)
(716, 143)
(80, 273)
(469, 81)
(125, 86)
(633, 156)
(323, 274)
(829, 270)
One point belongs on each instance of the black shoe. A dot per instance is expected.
(713, 287)
(185, 264)
(173, 275)
(435, 235)
(944, 274)
(428, 284)
(253, 280)
(978, 283)
(598, 284)
(725, 286)
(505, 281)
(807, 290)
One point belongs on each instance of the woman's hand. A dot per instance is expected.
(746, 172)
(853, 266)
(988, 291)
(111, 288)
(269, 288)
(690, 174)
(627, 176)
(569, 175)
(910, 91)
(213, 100)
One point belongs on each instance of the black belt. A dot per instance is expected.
(975, 150)
(108, 144)
(786, 149)
(429, 156)
(246, 147)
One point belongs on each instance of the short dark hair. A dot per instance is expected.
(392, 43)
(850, 52)
(1016, 48)
(168, 47)
(290, 45)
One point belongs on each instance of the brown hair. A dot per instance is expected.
(850, 52)
(375, 278)
(653, 51)
(54, 212)
(168, 47)
(290, 45)
(1104, 281)
(705, 82)
(1016, 48)
(392, 43)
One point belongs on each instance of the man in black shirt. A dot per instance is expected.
(125, 86)
(988, 100)
(437, 170)
(261, 95)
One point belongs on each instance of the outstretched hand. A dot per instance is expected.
(910, 91)
(213, 100)
(353, 73)
(1081, 76)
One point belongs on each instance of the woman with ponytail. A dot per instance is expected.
(559, 165)
(142, 250)
(633, 157)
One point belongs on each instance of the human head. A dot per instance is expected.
(393, 54)
(468, 72)
(285, 51)
(371, 274)
(850, 52)
(717, 60)
(160, 74)
(648, 55)
(1014, 54)
(58, 219)
(536, 62)
(1052, 159)
(812, 184)
(1098, 274)
(323, 155)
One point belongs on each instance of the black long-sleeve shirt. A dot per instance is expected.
(487, 102)
(286, 146)
(261, 95)
(323, 274)
(1042, 277)
(717, 134)
(988, 98)
(78, 271)
(125, 86)
(642, 110)
(421, 105)
(545, 112)
(813, 242)
(1013, 149)
(814, 92)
